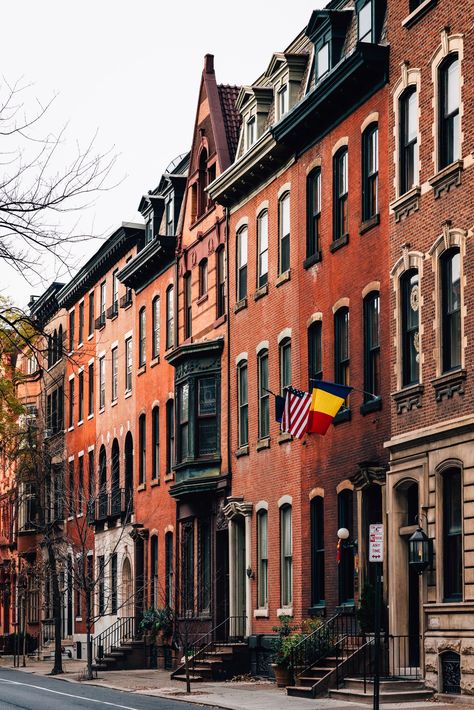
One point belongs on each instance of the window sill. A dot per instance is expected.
(343, 415)
(241, 451)
(445, 179)
(202, 299)
(101, 410)
(260, 292)
(141, 487)
(283, 278)
(372, 405)
(71, 428)
(312, 260)
(90, 336)
(141, 370)
(154, 482)
(128, 394)
(263, 444)
(219, 321)
(406, 204)
(408, 398)
(261, 614)
(448, 384)
(240, 305)
(284, 437)
(317, 610)
(90, 416)
(78, 618)
(155, 361)
(114, 403)
(338, 243)
(369, 224)
(285, 611)
(80, 345)
(418, 13)
(169, 476)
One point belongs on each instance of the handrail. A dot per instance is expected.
(320, 642)
(121, 630)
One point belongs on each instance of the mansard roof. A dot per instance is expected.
(43, 308)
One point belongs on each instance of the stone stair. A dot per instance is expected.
(221, 661)
(317, 679)
(129, 655)
(391, 691)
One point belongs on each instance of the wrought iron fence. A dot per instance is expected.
(122, 630)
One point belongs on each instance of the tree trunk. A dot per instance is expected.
(89, 637)
(57, 611)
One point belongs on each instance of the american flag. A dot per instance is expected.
(296, 412)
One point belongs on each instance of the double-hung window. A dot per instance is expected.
(202, 277)
(128, 365)
(341, 346)
(317, 551)
(284, 233)
(452, 535)
(263, 396)
(169, 210)
(365, 21)
(91, 314)
(80, 396)
(155, 443)
(322, 58)
(188, 308)
(90, 373)
(341, 187)
(80, 336)
(251, 132)
(242, 247)
(169, 317)
(142, 449)
(71, 402)
(370, 172)
(114, 374)
(313, 206)
(262, 552)
(315, 361)
(410, 339)
(207, 416)
(103, 296)
(115, 292)
(285, 364)
(286, 556)
(183, 421)
(345, 517)
(142, 337)
(372, 345)
(451, 309)
(220, 296)
(243, 403)
(155, 317)
(408, 138)
(169, 435)
(283, 100)
(262, 241)
(102, 383)
(449, 102)
(72, 319)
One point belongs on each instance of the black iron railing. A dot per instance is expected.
(321, 642)
(110, 504)
(112, 311)
(126, 299)
(121, 631)
(100, 321)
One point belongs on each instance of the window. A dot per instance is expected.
(72, 318)
(91, 476)
(313, 205)
(370, 172)
(128, 365)
(169, 211)
(449, 102)
(102, 383)
(202, 183)
(187, 567)
(283, 100)
(155, 318)
(408, 109)
(103, 296)
(262, 557)
(341, 346)
(204, 565)
(169, 317)
(452, 535)
(243, 403)
(285, 364)
(71, 489)
(251, 132)
(410, 340)
(71, 403)
(220, 256)
(114, 374)
(155, 443)
(341, 217)
(80, 485)
(451, 309)
(149, 230)
(113, 583)
(142, 448)
(317, 551)
(115, 291)
(372, 345)
(142, 337)
(169, 435)
(80, 397)
(365, 22)
(346, 555)
(207, 426)
(188, 308)
(91, 313)
(169, 569)
(80, 337)
(101, 583)
(286, 554)
(322, 60)
(183, 421)
(202, 277)
(242, 245)
(154, 571)
(262, 240)
(263, 396)
(284, 232)
(315, 359)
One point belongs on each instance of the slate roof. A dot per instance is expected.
(232, 118)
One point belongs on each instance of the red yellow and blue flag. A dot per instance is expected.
(326, 401)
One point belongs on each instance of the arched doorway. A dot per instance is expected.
(127, 589)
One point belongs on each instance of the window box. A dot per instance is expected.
(283, 278)
(369, 223)
(338, 243)
(406, 204)
(445, 179)
(240, 305)
(260, 292)
(418, 13)
(242, 451)
(372, 405)
(343, 415)
(312, 260)
(285, 611)
(449, 384)
(284, 437)
(408, 398)
(263, 444)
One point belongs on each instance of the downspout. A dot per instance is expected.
(229, 440)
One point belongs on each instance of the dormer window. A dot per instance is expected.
(283, 100)
(251, 132)
(149, 230)
(169, 212)
(365, 24)
(322, 59)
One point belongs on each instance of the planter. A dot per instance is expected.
(283, 676)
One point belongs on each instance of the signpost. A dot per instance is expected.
(376, 550)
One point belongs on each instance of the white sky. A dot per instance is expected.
(132, 71)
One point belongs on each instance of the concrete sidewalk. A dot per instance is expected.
(234, 695)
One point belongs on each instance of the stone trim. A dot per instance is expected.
(285, 333)
(445, 386)
(370, 287)
(408, 398)
(345, 485)
(261, 505)
(262, 345)
(316, 492)
(241, 357)
(261, 208)
(408, 77)
(260, 292)
(318, 316)
(243, 222)
(284, 188)
(240, 305)
(316, 163)
(371, 118)
(285, 500)
(445, 179)
(344, 141)
(406, 204)
(341, 303)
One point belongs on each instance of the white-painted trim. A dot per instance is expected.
(344, 141)
(80, 454)
(81, 369)
(101, 355)
(263, 345)
(71, 377)
(114, 344)
(261, 505)
(128, 334)
(240, 357)
(91, 448)
(91, 362)
(285, 333)
(284, 188)
(262, 206)
(285, 500)
(70, 458)
(243, 222)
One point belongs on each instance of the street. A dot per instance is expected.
(21, 690)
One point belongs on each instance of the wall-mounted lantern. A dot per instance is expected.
(420, 551)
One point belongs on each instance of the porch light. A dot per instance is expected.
(343, 534)
(420, 551)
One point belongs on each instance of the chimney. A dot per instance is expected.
(209, 64)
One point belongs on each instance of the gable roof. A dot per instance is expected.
(228, 98)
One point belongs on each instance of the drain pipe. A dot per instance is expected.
(229, 447)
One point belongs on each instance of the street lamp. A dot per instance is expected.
(420, 551)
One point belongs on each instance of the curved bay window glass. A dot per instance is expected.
(340, 196)
(372, 345)
(242, 246)
(410, 323)
(262, 555)
(315, 356)
(370, 172)
(449, 101)
(169, 317)
(284, 233)
(206, 416)
(285, 364)
(263, 396)
(452, 535)
(142, 337)
(451, 309)
(262, 241)
(346, 554)
(408, 136)
(313, 206)
(286, 556)
(243, 403)
(183, 421)
(341, 346)
(317, 551)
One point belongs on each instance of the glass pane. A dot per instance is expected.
(365, 23)
(207, 435)
(207, 396)
(184, 403)
(263, 374)
(263, 232)
(412, 117)
(243, 239)
(243, 392)
(323, 60)
(285, 216)
(452, 96)
(342, 174)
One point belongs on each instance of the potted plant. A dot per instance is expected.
(282, 652)
(155, 621)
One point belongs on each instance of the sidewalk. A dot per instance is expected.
(240, 695)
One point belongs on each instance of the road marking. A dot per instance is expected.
(68, 695)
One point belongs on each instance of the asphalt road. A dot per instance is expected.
(32, 692)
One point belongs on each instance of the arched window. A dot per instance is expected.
(142, 337)
(188, 308)
(243, 403)
(115, 478)
(242, 247)
(169, 317)
(408, 138)
(220, 279)
(129, 472)
(284, 233)
(155, 443)
(202, 277)
(313, 208)
(285, 364)
(451, 309)
(55, 347)
(169, 435)
(155, 317)
(410, 342)
(202, 195)
(262, 554)
(315, 357)
(449, 100)
(346, 554)
(340, 194)
(262, 241)
(142, 449)
(370, 172)
(50, 351)
(286, 556)
(372, 345)
(169, 569)
(452, 535)
(317, 551)
(154, 571)
(263, 396)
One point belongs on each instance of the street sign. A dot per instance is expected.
(376, 542)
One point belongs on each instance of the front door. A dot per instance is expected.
(413, 617)
(240, 574)
(222, 578)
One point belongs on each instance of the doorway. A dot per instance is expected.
(222, 577)
(240, 599)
